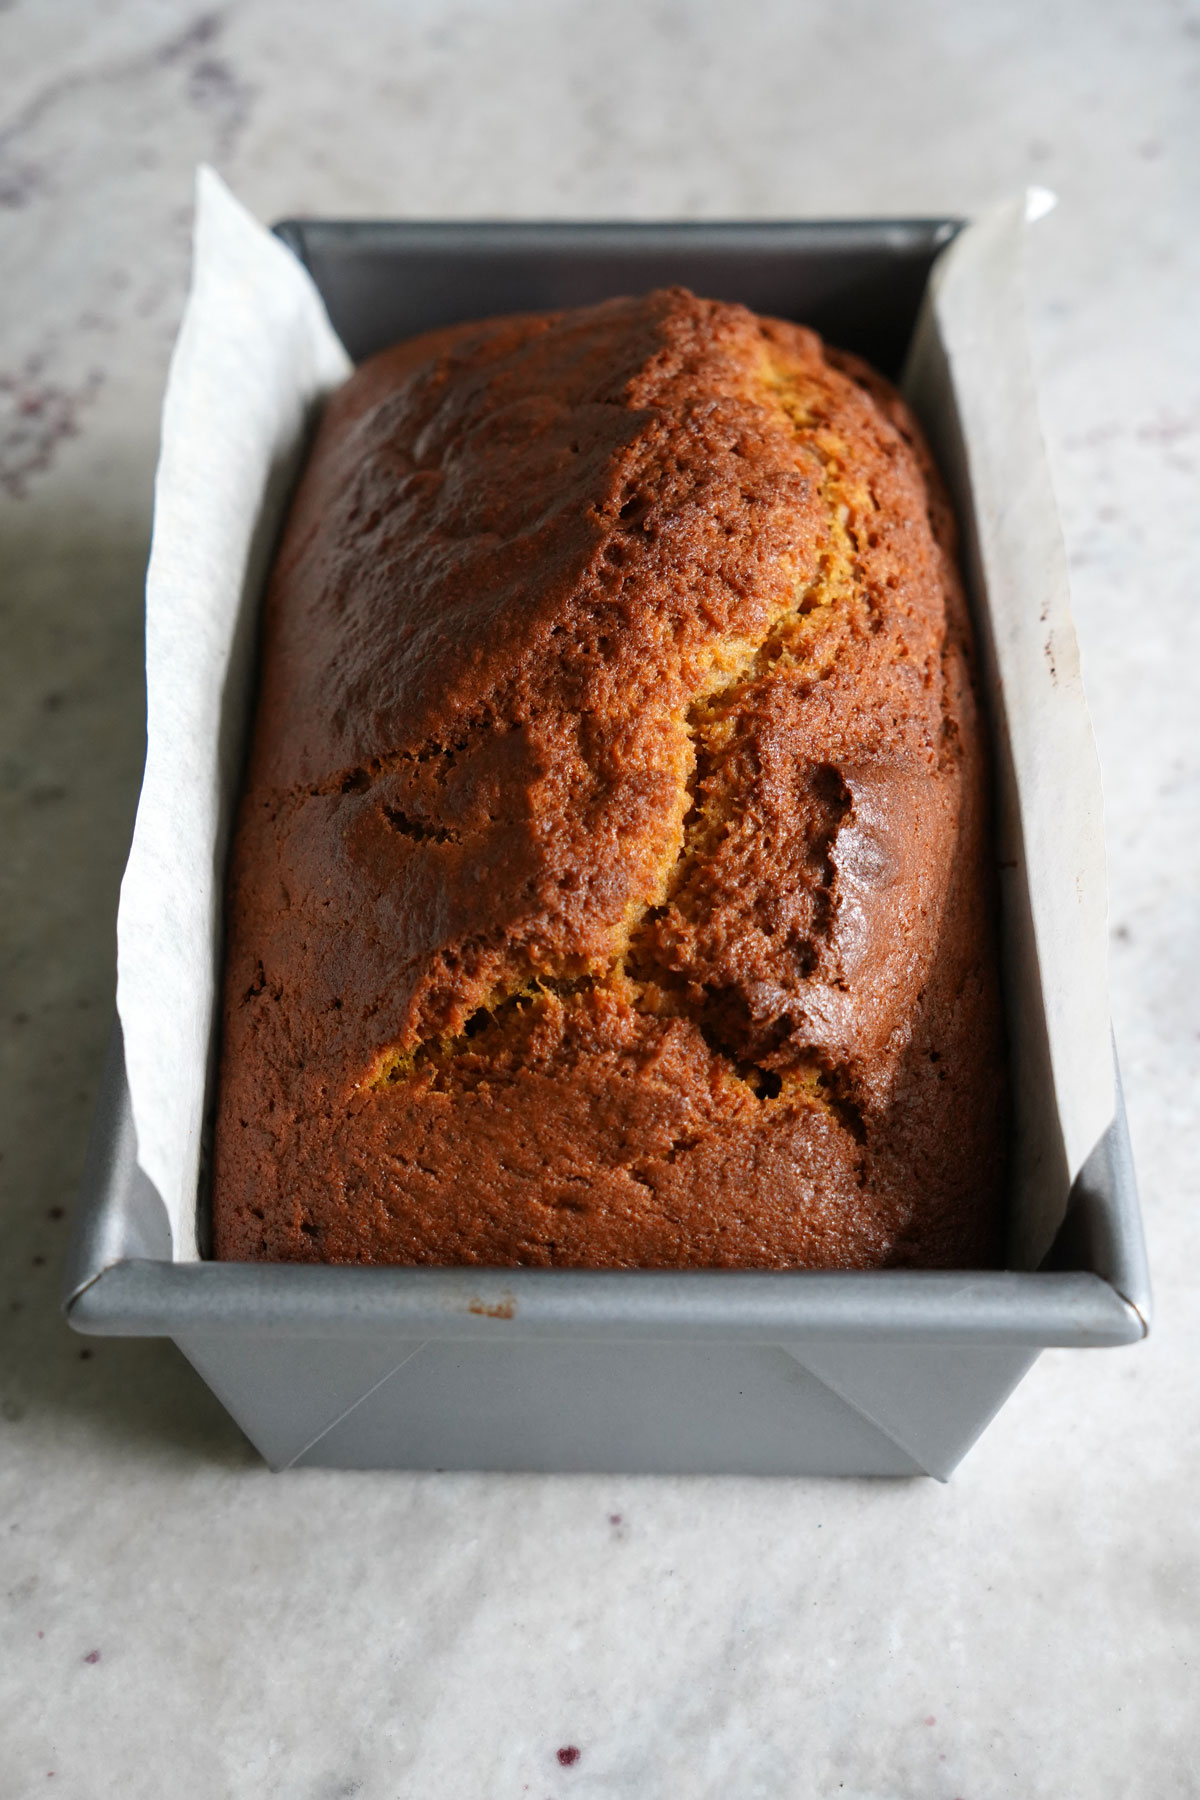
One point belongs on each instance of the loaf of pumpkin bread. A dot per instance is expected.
(612, 884)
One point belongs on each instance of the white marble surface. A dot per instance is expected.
(177, 1621)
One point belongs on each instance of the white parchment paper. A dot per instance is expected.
(256, 353)
(970, 379)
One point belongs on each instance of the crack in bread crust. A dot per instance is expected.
(795, 638)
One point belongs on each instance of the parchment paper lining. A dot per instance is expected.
(256, 354)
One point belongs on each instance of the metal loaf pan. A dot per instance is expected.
(885, 1373)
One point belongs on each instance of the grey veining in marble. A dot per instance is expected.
(175, 1620)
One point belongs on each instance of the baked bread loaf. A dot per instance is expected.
(612, 884)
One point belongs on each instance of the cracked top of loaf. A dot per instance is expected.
(612, 884)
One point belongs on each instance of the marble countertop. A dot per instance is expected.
(177, 1620)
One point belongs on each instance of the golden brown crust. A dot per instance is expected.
(611, 885)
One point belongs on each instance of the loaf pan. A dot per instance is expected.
(798, 1373)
